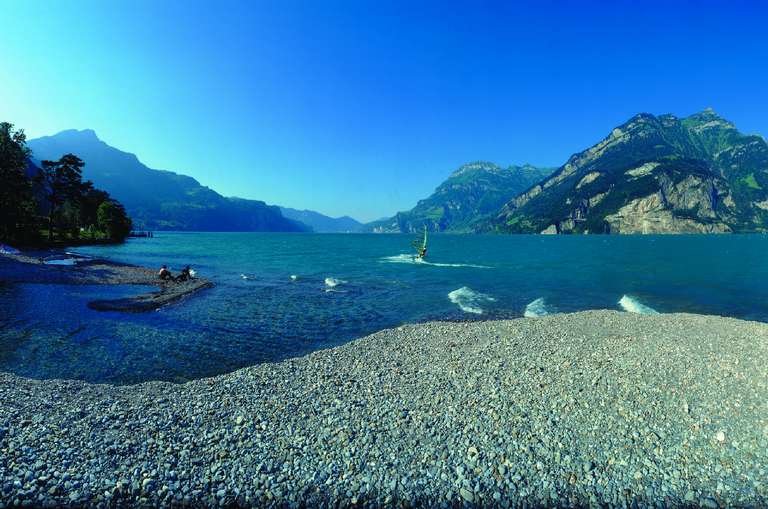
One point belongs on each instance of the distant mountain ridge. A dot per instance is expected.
(471, 195)
(321, 223)
(653, 174)
(158, 199)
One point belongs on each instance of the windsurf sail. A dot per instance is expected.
(421, 245)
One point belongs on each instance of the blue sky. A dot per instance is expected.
(362, 108)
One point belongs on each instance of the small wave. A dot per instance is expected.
(245, 276)
(64, 261)
(6, 249)
(633, 305)
(536, 308)
(469, 300)
(332, 282)
(334, 290)
(414, 260)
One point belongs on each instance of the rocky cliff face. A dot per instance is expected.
(652, 175)
(471, 195)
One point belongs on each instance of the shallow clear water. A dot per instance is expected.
(258, 313)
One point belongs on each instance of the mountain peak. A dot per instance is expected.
(706, 113)
(156, 199)
(77, 134)
(642, 116)
(524, 167)
(477, 165)
(707, 119)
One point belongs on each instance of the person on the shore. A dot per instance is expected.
(185, 274)
(164, 273)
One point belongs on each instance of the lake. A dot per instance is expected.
(282, 295)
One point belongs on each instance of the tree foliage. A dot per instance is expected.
(112, 219)
(53, 197)
(17, 204)
(63, 184)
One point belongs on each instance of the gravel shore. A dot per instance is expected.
(593, 408)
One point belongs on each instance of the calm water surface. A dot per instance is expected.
(282, 295)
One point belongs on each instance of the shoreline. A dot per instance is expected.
(30, 267)
(596, 407)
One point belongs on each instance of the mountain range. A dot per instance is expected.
(321, 223)
(470, 196)
(653, 174)
(157, 199)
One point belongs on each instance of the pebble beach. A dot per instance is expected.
(597, 408)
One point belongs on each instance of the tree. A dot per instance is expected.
(56, 190)
(62, 180)
(17, 203)
(90, 200)
(113, 220)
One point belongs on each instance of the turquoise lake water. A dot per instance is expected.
(282, 295)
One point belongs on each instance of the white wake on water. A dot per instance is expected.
(469, 300)
(65, 261)
(414, 260)
(332, 282)
(537, 307)
(633, 305)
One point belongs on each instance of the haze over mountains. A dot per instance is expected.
(321, 223)
(653, 174)
(161, 200)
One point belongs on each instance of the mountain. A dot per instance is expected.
(470, 196)
(156, 199)
(653, 174)
(321, 223)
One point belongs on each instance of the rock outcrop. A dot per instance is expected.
(651, 175)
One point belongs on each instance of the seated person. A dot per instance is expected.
(164, 273)
(184, 275)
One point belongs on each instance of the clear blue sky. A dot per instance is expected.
(362, 108)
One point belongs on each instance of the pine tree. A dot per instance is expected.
(17, 204)
(62, 180)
